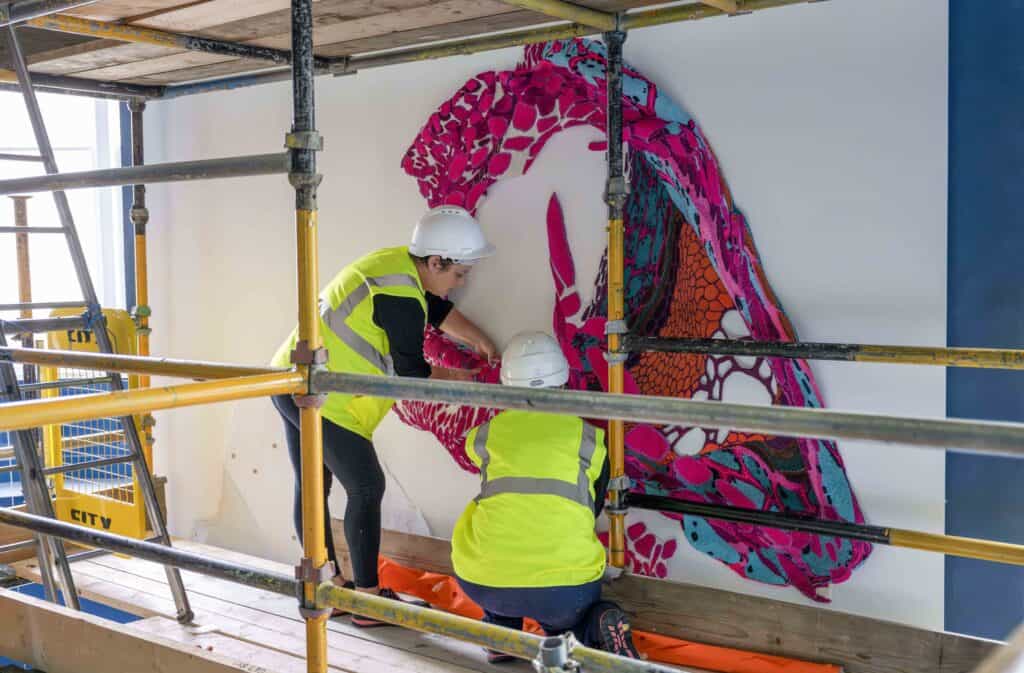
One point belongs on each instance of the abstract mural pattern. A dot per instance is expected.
(692, 270)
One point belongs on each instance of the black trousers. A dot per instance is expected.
(352, 459)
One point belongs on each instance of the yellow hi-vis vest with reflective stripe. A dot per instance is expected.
(355, 343)
(532, 525)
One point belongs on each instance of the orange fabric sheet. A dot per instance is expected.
(443, 592)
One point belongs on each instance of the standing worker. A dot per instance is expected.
(526, 545)
(372, 317)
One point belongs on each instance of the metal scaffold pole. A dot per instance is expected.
(141, 311)
(303, 143)
(615, 195)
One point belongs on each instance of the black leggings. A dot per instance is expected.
(353, 460)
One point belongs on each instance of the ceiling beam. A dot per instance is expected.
(727, 6)
(569, 12)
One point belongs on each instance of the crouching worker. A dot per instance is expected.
(526, 546)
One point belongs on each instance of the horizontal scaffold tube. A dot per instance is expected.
(988, 550)
(40, 325)
(40, 305)
(473, 45)
(33, 413)
(82, 85)
(16, 12)
(161, 38)
(151, 551)
(560, 9)
(985, 358)
(131, 364)
(514, 642)
(206, 169)
(970, 436)
(427, 620)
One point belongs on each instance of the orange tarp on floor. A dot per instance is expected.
(443, 592)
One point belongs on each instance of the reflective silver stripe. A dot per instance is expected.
(480, 446)
(533, 486)
(588, 445)
(335, 318)
(578, 492)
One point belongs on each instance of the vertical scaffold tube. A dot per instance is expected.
(140, 218)
(303, 143)
(24, 280)
(615, 195)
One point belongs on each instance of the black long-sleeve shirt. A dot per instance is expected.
(401, 318)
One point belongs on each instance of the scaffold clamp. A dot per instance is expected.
(307, 573)
(553, 656)
(304, 140)
(616, 327)
(302, 354)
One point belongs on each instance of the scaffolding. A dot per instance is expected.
(308, 380)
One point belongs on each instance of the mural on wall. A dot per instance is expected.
(691, 270)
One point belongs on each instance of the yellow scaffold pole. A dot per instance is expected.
(303, 143)
(615, 195)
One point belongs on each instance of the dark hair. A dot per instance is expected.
(445, 261)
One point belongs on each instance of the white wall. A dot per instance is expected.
(830, 123)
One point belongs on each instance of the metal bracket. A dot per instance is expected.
(616, 358)
(616, 511)
(304, 140)
(139, 215)
(616, 327)
(94, 318)
(309, 401)
(306, 573)
(616, 191)
(620, 483)
(303, 355)
(305, 179)
(553, 656)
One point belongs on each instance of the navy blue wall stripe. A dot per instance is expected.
(985, 303)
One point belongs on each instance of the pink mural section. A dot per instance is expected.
(691, 270)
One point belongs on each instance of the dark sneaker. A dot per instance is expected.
(369, 622)
(496, 657)
(615, 634)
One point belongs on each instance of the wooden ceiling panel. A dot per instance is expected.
(35, 42)
(116, 10)
(342, 27)
(252, 27)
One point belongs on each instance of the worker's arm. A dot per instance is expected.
(460, 327)
(401, 318)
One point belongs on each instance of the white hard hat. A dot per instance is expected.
(452, 233)
(534, 360)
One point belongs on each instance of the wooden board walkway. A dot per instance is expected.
(257, 628)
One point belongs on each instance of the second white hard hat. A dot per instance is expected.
(534, 360)
(450, 232)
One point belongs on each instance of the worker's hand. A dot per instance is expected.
(486, 348)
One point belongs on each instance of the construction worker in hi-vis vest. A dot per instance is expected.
(372, 317)
(526, 546)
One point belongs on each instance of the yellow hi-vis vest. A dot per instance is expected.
(533, 523)
(355, 343)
